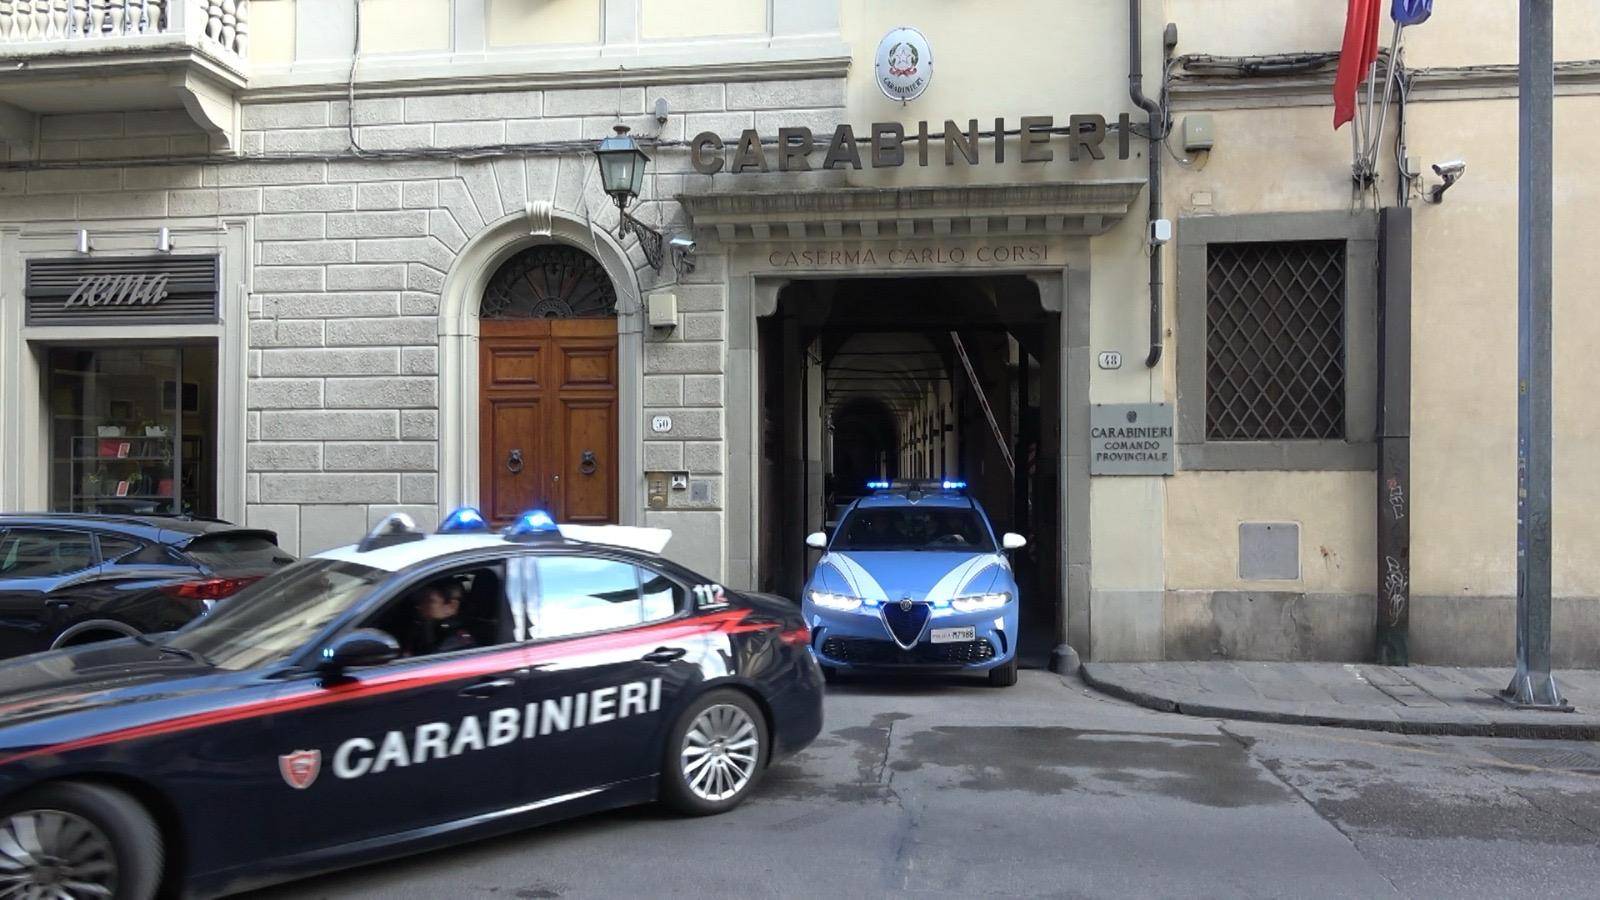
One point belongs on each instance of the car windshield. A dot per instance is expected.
(914, 528)
(277, 615)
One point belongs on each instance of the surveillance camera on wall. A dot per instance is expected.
(683, 249)
(1451, 171)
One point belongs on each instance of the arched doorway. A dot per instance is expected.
(548, 387)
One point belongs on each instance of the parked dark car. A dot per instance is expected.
(68, 579)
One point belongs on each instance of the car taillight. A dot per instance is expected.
(209, 588)
(799, 636)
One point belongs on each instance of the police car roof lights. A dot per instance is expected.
(535, 524)
(464, 520)
(921, 485)
(396, 528)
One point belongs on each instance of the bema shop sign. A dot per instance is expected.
(1035, 141)
(118, 290)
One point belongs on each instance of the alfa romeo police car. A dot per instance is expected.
(914, 577)
(406, 692)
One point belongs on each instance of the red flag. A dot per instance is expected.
(1355, 56)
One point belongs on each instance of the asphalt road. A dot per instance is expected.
(1046, 789)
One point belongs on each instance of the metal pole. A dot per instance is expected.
(1533, 685)
(1394, 436)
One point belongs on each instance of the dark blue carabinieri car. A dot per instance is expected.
(410, 691)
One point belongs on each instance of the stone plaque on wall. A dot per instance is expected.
(1131, 439)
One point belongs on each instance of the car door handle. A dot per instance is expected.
(665, 654)
(487, 688)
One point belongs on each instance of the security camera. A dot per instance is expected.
(1451, 171)
(683, 249)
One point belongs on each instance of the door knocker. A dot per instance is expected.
(586, 465)
(514, 462)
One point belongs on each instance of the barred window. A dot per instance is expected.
(1275, 341)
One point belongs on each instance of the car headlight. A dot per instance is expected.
(980, 602)
(839, 602)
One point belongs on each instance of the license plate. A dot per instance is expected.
(953, 635)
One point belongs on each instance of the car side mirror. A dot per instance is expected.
(362, 647)
(817, 540)
(1013, 541)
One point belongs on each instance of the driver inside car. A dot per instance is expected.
(437, 625)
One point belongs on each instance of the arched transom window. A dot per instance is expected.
(549, 281)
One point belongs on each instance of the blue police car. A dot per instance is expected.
(914, 577)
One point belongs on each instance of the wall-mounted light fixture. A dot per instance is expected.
(164, 240)
(622, 175)
(82, 244)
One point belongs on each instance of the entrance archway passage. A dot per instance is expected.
(548, 382)
(928, 377)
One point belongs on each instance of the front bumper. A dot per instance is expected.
(861, 640)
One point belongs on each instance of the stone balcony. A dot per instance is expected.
(92, 56)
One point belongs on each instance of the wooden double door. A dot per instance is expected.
(549, 418)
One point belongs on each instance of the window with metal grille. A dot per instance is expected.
(1275, 341)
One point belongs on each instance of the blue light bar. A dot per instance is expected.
(464, 520)
(877, 485)
(533, 523)
(955, 485)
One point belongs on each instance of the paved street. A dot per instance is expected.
(1048, 789)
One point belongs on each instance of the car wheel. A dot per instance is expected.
(79, 840)
(715, 754)
(1004, 676)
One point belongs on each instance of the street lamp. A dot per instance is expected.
(621, 166)
(622, 175)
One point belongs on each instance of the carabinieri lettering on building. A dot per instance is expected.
(1131, 439)
(889, 142)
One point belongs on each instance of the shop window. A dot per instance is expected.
(133, 429)
(1277, 341)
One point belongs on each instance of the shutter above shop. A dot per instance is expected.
(174, 290)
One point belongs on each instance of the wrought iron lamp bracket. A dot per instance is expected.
(650, 240)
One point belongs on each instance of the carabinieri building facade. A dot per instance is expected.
(1247, 385)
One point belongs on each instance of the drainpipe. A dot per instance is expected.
(1157, 125)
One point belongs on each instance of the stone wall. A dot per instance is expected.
(350, 257)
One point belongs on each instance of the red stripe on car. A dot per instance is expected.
(727, 622)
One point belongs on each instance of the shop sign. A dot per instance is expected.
(167, 289)
(1131, 439)
(904, 64)
(1033, 139)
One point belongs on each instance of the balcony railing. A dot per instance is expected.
(100, 23)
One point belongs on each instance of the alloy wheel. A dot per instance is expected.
(720, 752)
(49, 854)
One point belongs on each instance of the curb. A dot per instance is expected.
(1548, 731)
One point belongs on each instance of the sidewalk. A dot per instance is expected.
(1404, 699)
